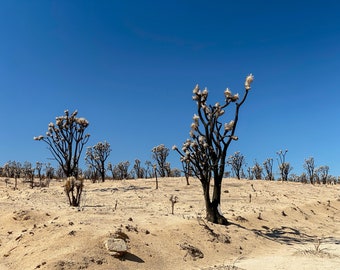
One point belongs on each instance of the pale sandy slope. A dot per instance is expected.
(38, 230)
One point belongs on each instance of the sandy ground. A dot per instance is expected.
(284, 226)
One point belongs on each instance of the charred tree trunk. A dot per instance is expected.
(213, 210)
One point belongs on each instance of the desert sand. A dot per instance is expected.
(274, 225)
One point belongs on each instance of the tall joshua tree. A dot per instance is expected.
(66, 139)
(207, 147)
(97, 155)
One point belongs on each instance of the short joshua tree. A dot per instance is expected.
(257, 170)
(284, 166)
(207, 147)
(73, 189)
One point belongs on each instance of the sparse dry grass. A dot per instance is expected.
(316, 250)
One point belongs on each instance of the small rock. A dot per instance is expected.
(117, 247)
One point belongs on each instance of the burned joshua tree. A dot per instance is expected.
(66, 139)
(268, 167)
(159, 154)
(73, 189)
(284, 166)
(207, 147)
(96, 157)
(139, 171)
(236, 161)
(257, 170)
(309, 166)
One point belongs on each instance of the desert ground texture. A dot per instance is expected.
(273, 225)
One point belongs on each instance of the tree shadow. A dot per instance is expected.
(331, 240)
(132, 187)
(287, 235)
(134, 258)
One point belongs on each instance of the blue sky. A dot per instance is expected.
(129, 67)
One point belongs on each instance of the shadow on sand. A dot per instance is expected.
(287, 235)
(131, 257)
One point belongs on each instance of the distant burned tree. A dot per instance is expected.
(91, 173)
(66, 139)
(110, 168)
(60, 173)
(206, 150)
(309, 166)
(333, 180)
(257, 171)
(160, 153)
(322, 173)
(13, 169)
(175, 172)
(268, 168)
(236, 161)
(49, 171)
(250, 173)
(293, 178)
(8, 170)
(97, 155)
(284, 166)
(149, 171)
(121, 170)
(139, 171)
(168, 169)
(38, 168)
(28, 173)
(303, 178)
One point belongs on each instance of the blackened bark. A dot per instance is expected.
(212, 206)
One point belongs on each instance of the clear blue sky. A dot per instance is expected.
(129, 67)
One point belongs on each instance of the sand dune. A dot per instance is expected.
(284, 226)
